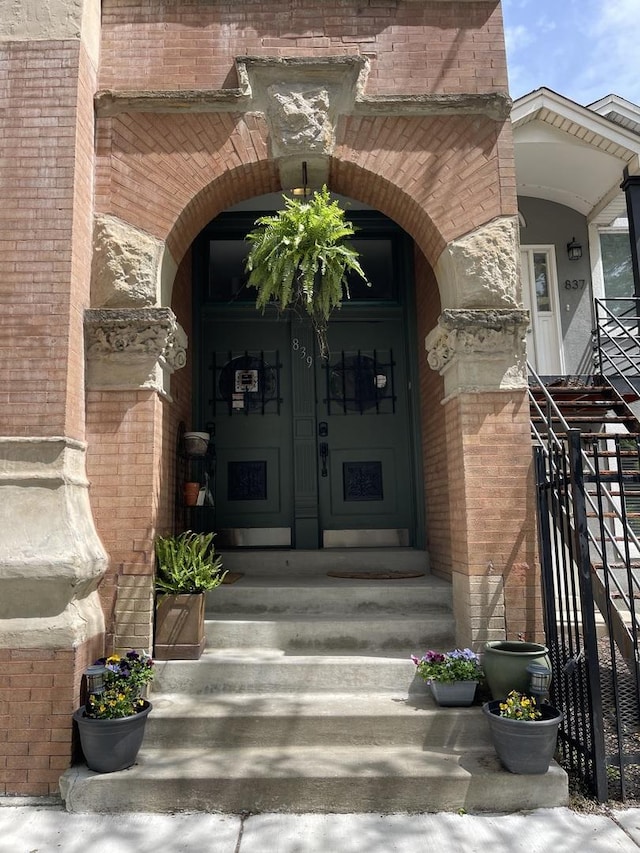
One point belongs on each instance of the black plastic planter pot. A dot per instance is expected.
(110, 745)
(524, 746)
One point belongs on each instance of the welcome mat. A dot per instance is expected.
(376, 576)
(232, 577)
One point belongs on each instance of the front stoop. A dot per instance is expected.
(305, 700)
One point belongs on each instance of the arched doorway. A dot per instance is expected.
(308, 452)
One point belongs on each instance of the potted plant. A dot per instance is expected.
(299, 259)
(524, 734)
(111, 723)
(453, 676)
(186, 567)
(505, 665)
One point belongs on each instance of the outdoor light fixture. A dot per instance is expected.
(303, 190)
(574, 250)
(540, 681)
(95, 679)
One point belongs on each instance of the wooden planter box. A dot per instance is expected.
(179, 633)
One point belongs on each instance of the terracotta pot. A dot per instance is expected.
(191, 491)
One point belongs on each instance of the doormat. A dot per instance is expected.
(232, 577)
(376, 576)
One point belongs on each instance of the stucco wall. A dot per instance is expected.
(549, 223)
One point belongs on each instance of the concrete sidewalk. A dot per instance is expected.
(38, 828)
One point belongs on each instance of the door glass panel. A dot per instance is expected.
(247, 383)
(541, 278)
(361, 382)
(617, 269)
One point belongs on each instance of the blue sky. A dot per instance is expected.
(583, 49)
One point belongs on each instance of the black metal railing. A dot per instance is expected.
(589, 553)
(616, 341)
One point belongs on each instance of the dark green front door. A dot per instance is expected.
(309, 453)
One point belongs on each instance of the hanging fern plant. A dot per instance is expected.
(299, 259)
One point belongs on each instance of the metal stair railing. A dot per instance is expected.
(616, 340)
(587, 553)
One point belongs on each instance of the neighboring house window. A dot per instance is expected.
(616, 267)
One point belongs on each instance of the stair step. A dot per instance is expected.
(271, 670)
(276, 563)
(315, 633)
(342, 719)
(280, 595)
(341, 779)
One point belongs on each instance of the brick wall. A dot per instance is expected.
(39, 691)
(45, 172)
(414, 47)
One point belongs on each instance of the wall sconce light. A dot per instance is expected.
(303, 190)
(574, 250)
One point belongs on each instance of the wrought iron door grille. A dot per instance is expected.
(360, 382)
(246, 383)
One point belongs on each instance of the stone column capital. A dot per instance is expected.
(479, 349)
(133, 348)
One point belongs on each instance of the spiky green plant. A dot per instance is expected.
(187, 563)
(299, 259)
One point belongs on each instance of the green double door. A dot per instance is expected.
(309, 453)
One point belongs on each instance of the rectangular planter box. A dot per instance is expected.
(179, 631)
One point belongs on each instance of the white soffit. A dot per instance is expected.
(571, 155)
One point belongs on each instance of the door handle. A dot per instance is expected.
(324, 455)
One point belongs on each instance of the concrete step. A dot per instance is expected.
(313, 633)
(260, 670)
(277, 595)
(340, 779)
(364, 719)
(298, 562)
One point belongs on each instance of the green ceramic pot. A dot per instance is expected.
(505, 665)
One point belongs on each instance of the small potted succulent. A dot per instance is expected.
(112, 721)
(524, 733)
(453, 676)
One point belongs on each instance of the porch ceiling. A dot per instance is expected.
(572, 155)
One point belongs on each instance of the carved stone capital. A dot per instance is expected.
(479, 349)
(133, 348)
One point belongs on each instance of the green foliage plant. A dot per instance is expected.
(299, 259)
(447, 667)
(187, 563)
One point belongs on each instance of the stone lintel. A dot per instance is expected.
(479, 349)
(133, 348)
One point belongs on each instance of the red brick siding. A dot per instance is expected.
(43, 285)
(39, 691)
(414, 47)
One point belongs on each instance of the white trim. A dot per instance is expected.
(554, 296)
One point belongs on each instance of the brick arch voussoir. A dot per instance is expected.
(232, 187)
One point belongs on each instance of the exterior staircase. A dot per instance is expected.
(610, 444)
(306, 700)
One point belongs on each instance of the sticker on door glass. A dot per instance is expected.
(246, 381)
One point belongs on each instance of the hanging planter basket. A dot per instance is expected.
(299, 259)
